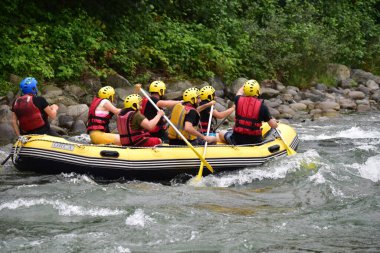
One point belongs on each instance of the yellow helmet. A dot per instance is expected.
(251, 88)
(207, 93)
(157, 86)
(132, 101)
(191, 95)
(107, 92)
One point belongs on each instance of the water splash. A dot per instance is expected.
(138, 219)
(276, 169)
(370, 169)
(352, 133)
(62, 207)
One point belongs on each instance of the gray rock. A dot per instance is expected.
(78, 111)
(372, 85)
(65, 121)
(356, 95)
(363, 89)
(362, 76)
(78, 127)
(321, 87)
(338, 71)
(346, 103)
(117, 81)
(269, 93)
(363, 108)
(237, 84)
(328, 105)
(298, 107)
(7, 134)
(51, 91)
(75, 90)
(348, 83)
(217, 83)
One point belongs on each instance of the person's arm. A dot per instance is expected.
(150, 124)
(222, 115)
(15, 124)
(167, 103)
(51, 111)
(272, 123)
(191, 130)
(110, 107)
(204, 106)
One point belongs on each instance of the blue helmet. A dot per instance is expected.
(29, 86)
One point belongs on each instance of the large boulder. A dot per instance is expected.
(339, 72)
(117, 81)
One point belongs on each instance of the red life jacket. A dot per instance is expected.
(247, 116)
(95, 122)
(161, 125)
(128, 136)
(28, 115)
(204, 122)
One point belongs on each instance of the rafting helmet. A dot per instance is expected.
(132, 101)
(207, 93)
(107, 92)
(29, 86)
(157, 86)
(191, 95)
(251, 88)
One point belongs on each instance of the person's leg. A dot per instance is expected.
(221, 136)
(229, 138)
(99, 137)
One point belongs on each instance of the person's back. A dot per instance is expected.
(250, 112)
(157, 91)
(207, 95)
(100, 112)
(186, 118)
(134, 127)
(31, 112)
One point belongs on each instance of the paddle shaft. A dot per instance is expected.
(200, 172)
(289, 150)
(178, 132)
(223, 120)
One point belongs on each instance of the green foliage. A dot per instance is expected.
(292, 41)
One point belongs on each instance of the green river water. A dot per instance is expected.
(324, 199)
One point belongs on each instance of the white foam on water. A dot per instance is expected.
(62, 208)
(138, 219)
(352, 133)
(75, 178)
(121, 249)
(370, 169)
(277, 169)
(81, 138)
(26, 186)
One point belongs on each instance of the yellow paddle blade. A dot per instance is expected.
(290, 151)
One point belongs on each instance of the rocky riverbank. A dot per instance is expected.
(355, 91)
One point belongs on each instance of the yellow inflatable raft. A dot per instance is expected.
(50, 155)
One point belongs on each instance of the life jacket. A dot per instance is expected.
(204, 121)
(247, 116)
(128, 136)
(28, 115)
(95, 122)
(161, 125)
(178, 119)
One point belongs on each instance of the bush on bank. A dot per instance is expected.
(292, 41)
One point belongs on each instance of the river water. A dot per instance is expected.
(324, 199)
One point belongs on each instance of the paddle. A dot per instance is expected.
(138, 87)
(200, 172)
(221, 123)
(289, 150)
